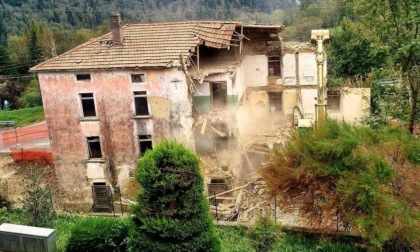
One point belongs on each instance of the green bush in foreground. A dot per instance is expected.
(172, 214)
(367, 177)
(264, 234)
(36, 202)
(99, 234)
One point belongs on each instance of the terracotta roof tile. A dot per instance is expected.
(144, 46)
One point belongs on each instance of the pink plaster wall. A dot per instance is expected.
(115, 125)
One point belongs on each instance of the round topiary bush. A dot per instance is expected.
(172, 213)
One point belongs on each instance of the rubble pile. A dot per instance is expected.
(244, 204)
(294, 47)
(266, 143)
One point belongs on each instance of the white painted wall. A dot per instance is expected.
(204, 88)
(307, 69)
(354, 105)
(289, 69)
(252, 72)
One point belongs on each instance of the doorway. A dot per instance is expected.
(218, 95)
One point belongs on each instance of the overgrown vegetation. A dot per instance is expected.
(172, 213)
(99, 234)
(24, 116)
(31, 97)
(385, 36)
(264, 234)
(37, 202)
(4, 201)
(363, 177)
(233, 239)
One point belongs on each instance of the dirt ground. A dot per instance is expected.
(13, 177)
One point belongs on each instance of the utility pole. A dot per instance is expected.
(319, 37)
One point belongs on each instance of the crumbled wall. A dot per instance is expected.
(202, 96)
(354, 105)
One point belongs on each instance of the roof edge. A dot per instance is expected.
(34, 68)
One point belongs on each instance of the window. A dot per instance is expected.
(274, 66)
(145, 143)
(218, 95)
(140, 102)
(333, 100)
(94, 146)
(83, 77)
(274, 101)
(101, 194)
(137, 78)
(88, 105)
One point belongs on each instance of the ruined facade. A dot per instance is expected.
(218, 87)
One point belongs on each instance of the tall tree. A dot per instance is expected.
(35, 50)
(6, 66)
(396, 25)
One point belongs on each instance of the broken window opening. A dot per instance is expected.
(145, 144)
(216, 185)
(140, 102)
(138, 78)
(83, 77)
(88, 105)
(218, 95)
(333, 100)
(274, 66)
(275, 101)
(94, 146)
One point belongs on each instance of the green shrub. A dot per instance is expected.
(234, 239)
(308, 242)
(31, 96)
(172, 214)
(367, 176)
(4, 202)
(264, 234)
(36, 202)
(99, 234)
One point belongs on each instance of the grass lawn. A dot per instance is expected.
(234, 239)
(24, 116)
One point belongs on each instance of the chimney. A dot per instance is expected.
(117, 37)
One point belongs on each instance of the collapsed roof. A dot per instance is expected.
(148, 45)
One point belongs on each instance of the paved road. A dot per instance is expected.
(35, 135)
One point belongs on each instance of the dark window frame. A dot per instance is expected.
(94, 147)
(275, 102)
(274, 62)
(88, 99)
(145, 143)
(83, 77)
(333, 100)
(138, 78)
(141, 103)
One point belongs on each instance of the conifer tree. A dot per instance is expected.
(172, 213)
(35, 50)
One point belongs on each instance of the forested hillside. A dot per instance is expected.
(15, 15)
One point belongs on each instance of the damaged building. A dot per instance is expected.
(228, 90)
